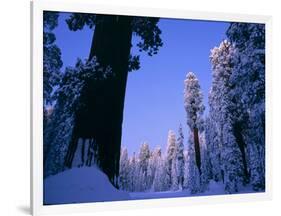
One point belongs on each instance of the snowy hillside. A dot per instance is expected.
(78, 185)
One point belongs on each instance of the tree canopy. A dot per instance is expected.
(146, 28)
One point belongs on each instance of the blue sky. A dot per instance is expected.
(154, 95)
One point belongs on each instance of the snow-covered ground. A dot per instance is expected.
(89, 184)
(215, 188)
(80, 185)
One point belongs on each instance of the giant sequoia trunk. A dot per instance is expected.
(101, 116)
(197, 149)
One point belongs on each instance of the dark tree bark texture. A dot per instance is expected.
(197, 149)
(101, 115)
(242, 146)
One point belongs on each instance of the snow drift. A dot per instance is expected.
(80, 185)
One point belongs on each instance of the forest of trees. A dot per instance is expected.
(83, 110)
(227, 144)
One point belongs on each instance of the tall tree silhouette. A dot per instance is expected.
(101, 116)
(193, 103)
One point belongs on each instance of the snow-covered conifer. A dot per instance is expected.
(214, 149)
(52, 62)
(132, 173)
(161, 180)
(220, 112)
(248, 81)
(174, 177)
(153, 165)
(193, 103)
(180, 157)
(124, 170)
(57, 134)
(192, 181)
(171, 156)
(144, 156)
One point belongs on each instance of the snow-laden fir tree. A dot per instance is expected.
(52, 62)
(153, 165)
(157, 184)
(232, 160)
(206, 164)
(248, 80)
(161, 179)
(180, 158)
(185, 174)
(143, 161)
(133, 173)
(192, 175)
(193, 103)
(220, 112)
(171, 156)
(214, 148)
(124, 171)
(174, 177)
(57, 135)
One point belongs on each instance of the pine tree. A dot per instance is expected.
(180, 158)
(193, 103)
(156, 185)
(58, 133)
(124, 170)
(231, 156)
(213, 148)
(248, 81)
(174, 177)
(232, 161)
(144, 156)
(192, 172)
(171, 156)
(186, 164)
(161, 180)
(132, 173)
(153, 165)
(206, 165)
(52, 64)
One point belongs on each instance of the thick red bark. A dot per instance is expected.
(197, 149)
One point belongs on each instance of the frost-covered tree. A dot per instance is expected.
(248, 81)
(171, 156)
(143, 160)
(180, 158)
(231, 157)
(161, 179)
(213, 148)
(59, 131)
(206, 164)
(192, 175)
(52, 62)
(232, 160)
(154, 163)
(132, 173)
(186, 161)
(193, 103)
(124, 171)
(174, 177)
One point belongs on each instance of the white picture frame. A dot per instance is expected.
(87, 6)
